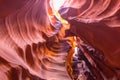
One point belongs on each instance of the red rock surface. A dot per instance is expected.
(32, 43)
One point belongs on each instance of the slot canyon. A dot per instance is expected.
(59, 39)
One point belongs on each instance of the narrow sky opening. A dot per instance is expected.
(57, 4)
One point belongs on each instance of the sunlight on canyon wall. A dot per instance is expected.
(28, 38)
(59, 40)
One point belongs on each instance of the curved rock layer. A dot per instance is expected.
(30, 47)
(97, 23)
(33, 46)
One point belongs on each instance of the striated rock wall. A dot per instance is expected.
(30, 48)
(33, 45)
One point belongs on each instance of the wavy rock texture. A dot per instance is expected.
(30, 49)
(33, 46)
(97, 23)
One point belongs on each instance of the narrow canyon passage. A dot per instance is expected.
(59, 40)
